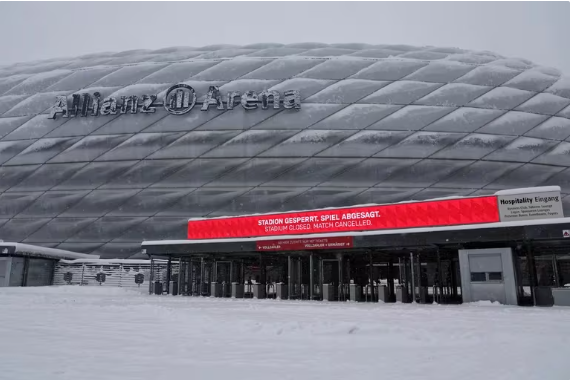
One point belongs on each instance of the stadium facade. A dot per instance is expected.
(101, 152)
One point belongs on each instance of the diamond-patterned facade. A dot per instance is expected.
(378, 124)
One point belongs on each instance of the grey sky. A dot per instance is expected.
(539, 31)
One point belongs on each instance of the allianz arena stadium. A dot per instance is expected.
(101, 152)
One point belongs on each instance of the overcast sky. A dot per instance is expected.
(539, 31)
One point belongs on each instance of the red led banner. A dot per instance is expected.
(447, 212)
(337, 242)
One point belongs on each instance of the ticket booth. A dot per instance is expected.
(488, 275)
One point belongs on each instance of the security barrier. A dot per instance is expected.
(116, 273)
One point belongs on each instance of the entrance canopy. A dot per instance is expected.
(411, 250)
(507, 217)
(548, 231)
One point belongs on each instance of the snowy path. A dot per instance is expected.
(85, 333)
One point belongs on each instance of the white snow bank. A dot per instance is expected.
(109, 261)
(71, 290)
(485, 303)
(92, 333)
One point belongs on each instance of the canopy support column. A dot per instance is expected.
(311, 277)
(169, 263)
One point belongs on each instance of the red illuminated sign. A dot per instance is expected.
(337, 242)
(447, 212)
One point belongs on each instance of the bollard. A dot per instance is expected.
(543, 296)
(216, 289)
(423, 294)
(383, 293)
(355, 293)
(237, 290)
(226, 290)
(561, 296)
(282, 291)
(368, 297)
(305, 289)
(259, 291)
(402, 294)
(329, 292)
(158, 288)
(204, 289)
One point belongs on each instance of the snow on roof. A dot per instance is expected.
(365, 233)
(110, 261)
(45, 75)
(34, 250)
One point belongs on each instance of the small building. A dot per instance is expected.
(30, 265)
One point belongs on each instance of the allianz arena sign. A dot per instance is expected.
(178, 100)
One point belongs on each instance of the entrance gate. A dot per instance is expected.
(329, 276)
(417, 265)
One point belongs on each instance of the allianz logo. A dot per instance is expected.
(178, 100)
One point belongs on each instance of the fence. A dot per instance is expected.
(116, 273)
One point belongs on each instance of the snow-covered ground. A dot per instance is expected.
(99, 333)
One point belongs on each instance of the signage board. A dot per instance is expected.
(566, 233)
(447, 212)
(515, 207)
(177, 100)
(336, 242)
